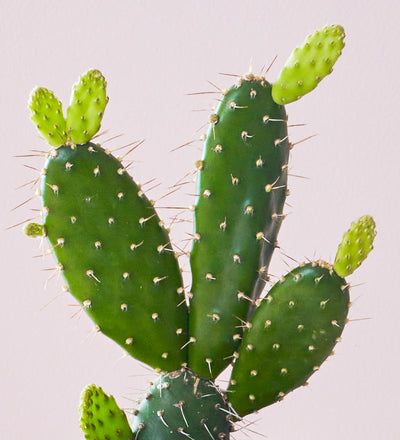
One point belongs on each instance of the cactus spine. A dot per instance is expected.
(114, 253)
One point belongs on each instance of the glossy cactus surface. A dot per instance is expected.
(179, 405)
(242, 189)
(117, 259)
(110, 246)
(292, 332)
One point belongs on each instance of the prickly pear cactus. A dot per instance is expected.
(101, 418)
(181, 404)
(110, 247)
(309, 64)
(115, 255)
(109, 241)
(242, 187)
(293, 330)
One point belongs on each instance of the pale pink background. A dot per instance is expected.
(153, 54)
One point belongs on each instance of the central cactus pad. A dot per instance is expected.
(242, 189)
(179, 405)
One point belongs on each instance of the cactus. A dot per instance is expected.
(110, 246)
(292, 332)
(357, 243)
(101, 418)
(114, 253)
(46, 114)
(242, 187)
(309, 64)
(183, 404)
(85, 112)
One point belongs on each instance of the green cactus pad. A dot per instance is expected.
(292, 332)
(47, 115)
(309, 64)
(242, 189)
(114, 254)
(180, 405)
(86, 108)
(34, 230)
(357, 243)
(101, 418)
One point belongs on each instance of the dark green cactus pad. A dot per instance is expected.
(357, 243)
(47, 115)
(181, 405)
(292, 332)
(101, 418)
(112, 250)
(242, 189)
(309, 64)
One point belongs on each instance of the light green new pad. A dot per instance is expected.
(309, 64)
(86, 108)
(101, 418)
(47, 115)
(357, 243)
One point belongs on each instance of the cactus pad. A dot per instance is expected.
(357, 243)
(292, 332)
(181, 405)
(242, 189)
(85, 112)
(34, 230)
(309, 64)
(114, 253)
(101, 418)
(47, 115)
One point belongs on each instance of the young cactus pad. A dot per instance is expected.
(101, 418)
(242, 189)
(47, 115)
(292, 332)
(309, 64)
(85, 112)
(179, 405)
(357, 243)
